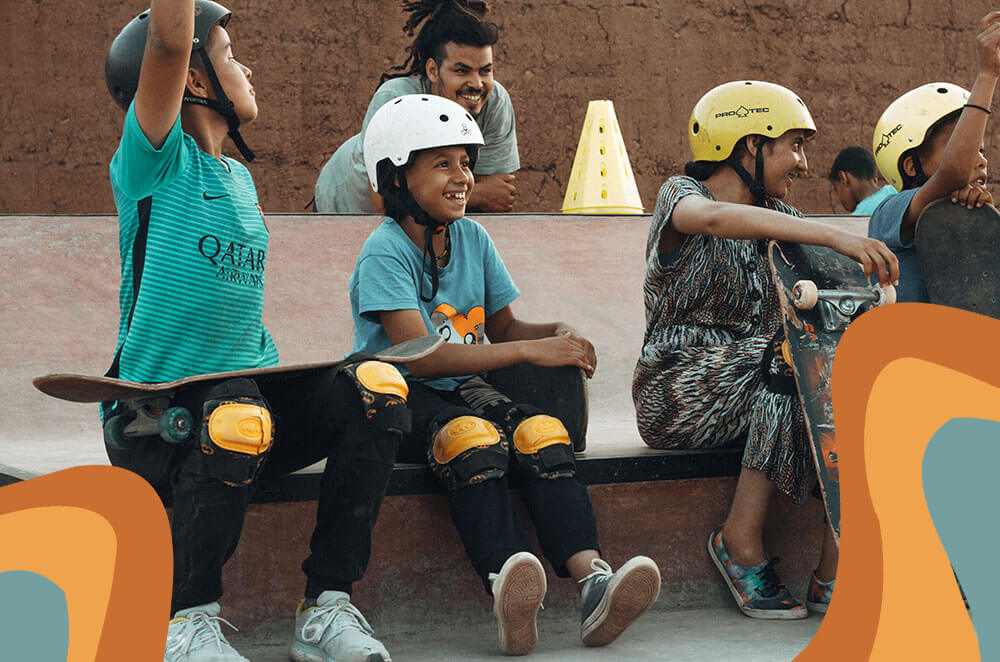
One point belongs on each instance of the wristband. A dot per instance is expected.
(972, 105)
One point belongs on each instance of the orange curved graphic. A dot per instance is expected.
(101, 535)
(898, 377)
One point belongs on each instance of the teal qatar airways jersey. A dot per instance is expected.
(193, 245)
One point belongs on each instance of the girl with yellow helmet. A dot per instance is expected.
(708, 372)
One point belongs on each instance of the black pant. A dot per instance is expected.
(316, 416)
(484, 514)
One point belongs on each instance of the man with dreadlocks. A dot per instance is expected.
(451, 56)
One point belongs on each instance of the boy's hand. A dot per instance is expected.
(988, 44)
(874, 256)
(564, 348)
(972, 196)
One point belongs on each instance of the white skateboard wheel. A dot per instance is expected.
(805, 294)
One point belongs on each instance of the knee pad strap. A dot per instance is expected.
(542, 445)
(467, 450)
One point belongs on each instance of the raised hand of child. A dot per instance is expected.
(988, 44)
(971, 196)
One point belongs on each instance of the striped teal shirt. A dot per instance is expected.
(192, 226)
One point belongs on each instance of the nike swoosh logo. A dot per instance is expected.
(214, 197)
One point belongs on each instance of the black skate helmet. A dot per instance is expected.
(124, 62)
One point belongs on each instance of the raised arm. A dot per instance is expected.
(165, 65)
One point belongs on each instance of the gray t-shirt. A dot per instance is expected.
(343, 182)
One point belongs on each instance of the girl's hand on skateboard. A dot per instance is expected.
(971, 196)
(874, 256)
(563, 349)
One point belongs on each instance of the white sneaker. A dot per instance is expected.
(518, 591)
(612, 601)
(334, 631)
(194, 635)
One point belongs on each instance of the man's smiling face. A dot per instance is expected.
(465, 75)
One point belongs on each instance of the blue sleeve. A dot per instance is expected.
(499, 153)
(138, 168)
(388, 285)
(500, 288)
(887, 219)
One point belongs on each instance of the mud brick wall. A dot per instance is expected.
(316, 64)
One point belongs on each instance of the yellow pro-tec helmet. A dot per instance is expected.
(905, 123)
(731, 111)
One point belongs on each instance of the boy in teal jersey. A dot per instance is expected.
(194, 248)
(929, 145)
(428, 269)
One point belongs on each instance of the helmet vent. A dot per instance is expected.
(695, 127)
(443, 118)
(942, 90)
(424, 99)
(770, 128)
(718, 148)
(397, 101)
(469, 117)
(143, 15)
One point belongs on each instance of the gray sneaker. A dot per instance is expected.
(194, 635)
(334, 631)
(612, 601)
(518, 591)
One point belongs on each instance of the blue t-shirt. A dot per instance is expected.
(390, 275)
(868, 205)
(884, 224)
(193, 225)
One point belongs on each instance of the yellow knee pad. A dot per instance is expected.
(542, 445)
(468, 450)
(383, 392)
(241, 427)
(383, 378)
(236, 433)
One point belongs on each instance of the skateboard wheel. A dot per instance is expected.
(888, 294)
(114, 432)
(175, 424)
(805, 294)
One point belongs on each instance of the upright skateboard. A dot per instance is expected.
(821, 292)
(146, 408)
(959, 254)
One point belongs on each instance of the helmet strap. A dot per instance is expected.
(394, 189)
(756, 183)
(222, 105)
(919, 177)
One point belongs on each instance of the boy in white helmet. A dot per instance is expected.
(929, 145)
(711, 369)
(428, 267)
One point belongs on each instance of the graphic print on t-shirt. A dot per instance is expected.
(458, 328)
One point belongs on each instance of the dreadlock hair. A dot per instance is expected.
(458, 21)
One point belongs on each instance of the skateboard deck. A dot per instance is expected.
(145, 409)
(88, 388)
(559, 392)
(821, 292)
(959, 254)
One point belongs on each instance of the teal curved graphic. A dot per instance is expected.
(961, 471)
(34, 618)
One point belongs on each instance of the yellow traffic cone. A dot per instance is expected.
(601, 181)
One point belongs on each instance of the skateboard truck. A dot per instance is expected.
(149, 417)
(838, 307)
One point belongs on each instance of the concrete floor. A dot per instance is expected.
(678, 636)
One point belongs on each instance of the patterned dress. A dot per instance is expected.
(711, 313)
